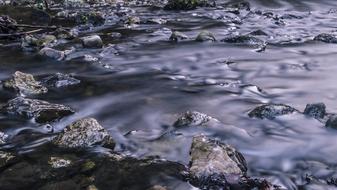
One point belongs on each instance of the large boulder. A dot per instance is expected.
(84, 133)
(25, 84)
(214, 164)
(271, 111)
(39, 110)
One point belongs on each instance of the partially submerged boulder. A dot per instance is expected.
(271, 111)
(205, 36)
(25, 84)
(327, 38)
(316, 110)
(332, 121)
(187, 4)
(39, 110)
(193, 118)
(93, 41)
(59, 80)
(214, 164)
(177, 36)
(84, 133)
(52, 53)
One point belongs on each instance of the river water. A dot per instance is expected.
(141, 82)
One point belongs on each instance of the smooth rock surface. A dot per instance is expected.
(93, 41)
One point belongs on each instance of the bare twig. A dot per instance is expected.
(36, 26)
(20, 33)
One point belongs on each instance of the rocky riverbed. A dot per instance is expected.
(163, 95)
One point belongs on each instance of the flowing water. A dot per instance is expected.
(141, 82)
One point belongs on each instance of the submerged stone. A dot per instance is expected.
(84, 133)
(193, 118)
(41, 111)
(205, 36)
(187, 4)
(214, 164)
(59, 80)
(93, 41)
(25, 84)
(271, 111)
(177, 36)
(327, 38)
(316, 110)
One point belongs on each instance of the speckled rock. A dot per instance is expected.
(316, 110)
(41, 111)
(187, 4)
(332, 121)
(193, 118)
(327, 38)
(59, 80)
(58, 162)
(93, 41)
(177, 36)
(3, 137)
(214, 164)
(271, 111)
(244, 39)
(25, 84)
(6, 158)
(84, 133)
(205, 36)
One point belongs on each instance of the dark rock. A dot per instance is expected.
(205, 36)
(7, 25)
(244, 39)
(271, 111)
(258, 33)
(59, 80)
(177, 36)
(93, 41)
(193, 118)
(327, 38)
(39, 110)
(84, 133)
(62, 185)
(316, 110)
(25, 84)
(6, 158)
(187, 4)
(214, 164)
(239, 5)
(332, 121)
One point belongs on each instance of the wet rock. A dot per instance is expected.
(271, 111)
(25, 84)
(316, 110)
(59, 80)
(332, 121)
(258, 33)
(93, 41)
(57, 162)
(52, 53)
(214, 164)
(193, 118)
(244, 39)
(187, 4)
(6, 158)
(84, 133)
(7, 25)
(177, 36)
(36, 42)
(132, 20)
(205, 36)
(327, 38)
(157, 187)
(61, 33)
(3, 138)
(41, 111)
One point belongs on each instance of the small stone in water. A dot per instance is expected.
(193, 118)
(176, 36)
(270, 111)
(52, 53)
(84, 133)
(57, 162)
(41, 111)
(59, 80)
(327, 38)
(205, 36)
(25, 84)
(316, 110)
(93, 41)
(3, 138)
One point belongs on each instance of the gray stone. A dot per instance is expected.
(332, 121)
(177, 36)
(59, 80)
(271, 111)
(84, 133)
(39, 110)
(36, 42)
(193, 118)
(327, 38)
(25, 84)
(93, 41)
(316, 110)
(205, 36)
(3, 138)
(215, 164)
(52, 53)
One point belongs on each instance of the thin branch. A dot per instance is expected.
(20, 33)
